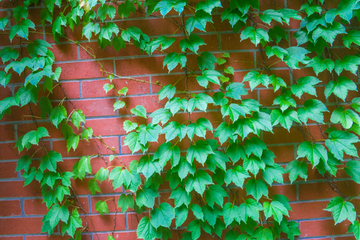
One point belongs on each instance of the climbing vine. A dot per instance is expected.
(200, 162)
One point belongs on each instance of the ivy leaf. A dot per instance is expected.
(355, 228)
(175, 104)
(3, 22)
(94, 187)
(255, 146)
(340, 87)
(215, 194)
(131, 32)
(352, 169)
(199, 128)
(277, 34)
(237, 175)
(263, 234)
(208, 5)
(57, 115)
(193, 42)
(231, 213)
(345, 116)
(49, 161)
(295, 169)
(106, 10)
(218, 159)
(271, 14)
(235, 90)
(255, 35)
(285, 100)
(277, 51)
(4, 78)
(167, 91)
(73, 223)
(91, 28)
(173, 59)
(86, 133)
(120, 177)
(165, 6)
(313, 109)
(146, 197)
(139, 110)
(206, 60)
(285, 118)
(349, 63)
(195, 228)
(305, 84)
(102, 174)
(250, 209)
(132, 140)
(129, 126)
(167, 151)
(329, 32)
(8, 53)
(233, 110)
(319, 64)
(198, 21)
(208, 76)
(255, 78)
(198, 182)
(223, 132)
(199, 151)
(57, 213)
(162, 215)
(77, 117)
(102, 207)
(257, 188)
(108, 30)
(313, 152)
(22, 29)
(261, 121)
(276, 210)
(340, 142)
(125, 201)
(118, 105)
(149, 133)
(148, 166)
(184, 168)
(296, 55)
(352, 36)
(34, 136)
(145, 230)
(341, 210)
(234, 16)
(126, 8)
(200, 102)
(181, 197)
(174, 129)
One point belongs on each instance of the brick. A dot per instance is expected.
(8, 151)
(119, 236)
(81, 187)
(12, 238)
(288, 190)
(10, 208)
(306, 210)
(93, 147)
(7, 133)
(17, 189)
(75, 35)
(106, 222)
(7, 169)
(28, 225)
(83, 70)
(141, 66)
(134, 219)
(92, 108)
(65, 52)
(284, 153)
(94, 88)
(69, 90)
(54, 237)
(322, 228)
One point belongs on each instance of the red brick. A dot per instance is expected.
(306, 210)
(10, 208)
(7, 170)
(322, 228)
(69, 90)
(283, 153)
(83, 70)
(134, 219)
(119, 236)
(106, 222)
(94, 88)
(12, 238)
(28, 225)
(141, 66)
(17, 189)
(65, 52)
(8, 151)
(7, 133)
(91, 108)
(37, 207)
(54, 237)
(288, 190)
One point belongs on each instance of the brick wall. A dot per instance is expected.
(21, 208)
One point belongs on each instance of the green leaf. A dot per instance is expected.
(146, 197)
(313, 109)
(167, 91)
(106, 10)
(165, 6)
(118, 105)
(352, 169)
(313, 152)
(120, 177)
(295, 169)
(233, 110)
(184, 168)
(257, 188)
(193, 42)
(296, 55)
(89, 29)
(162, 215)
(87, 132)
(38, 47)
(167, 151)
(199, 151)
(77, 117)
(148, 166)
(107, 87)
(8, 53)
(250, 209)
(175, 104)
(199, 128)
(273, 173)
(349, 63)
(73, 223)
(208, 5)
(285, 100)
(255, 146)
(319, 64)
(145, 230)
(125, 202)
(57, 213)
(231, 213)
(102, 207)
(206, 60)
(223, 132)
(34, 136)
(173, 59)
(277, 51)
(340, 87)
(94, 187)
(181, 197)
(345, 116)
(237, 175)
(139, 110)
(305, 84)
(181, 214)
(277, 34)
(200, 102)
(129, 126)
(352, 36)
(107, 31)
(82, 167)
(4, 78)
(102, 174)
(285, 118)
(198, 21)
(255, 35)
(126, 8)
(215, 194)
(208, 76)
(329, 32)
(217, 159)
(3, 22)
(340, 142)
(23, 163)
(22, 29)
(174, 129)
(195, 228)
(131, 32)
(355, 228)
(263, 234)
(341, 210)
(276, 210)
(198, 182)
(57, 115)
